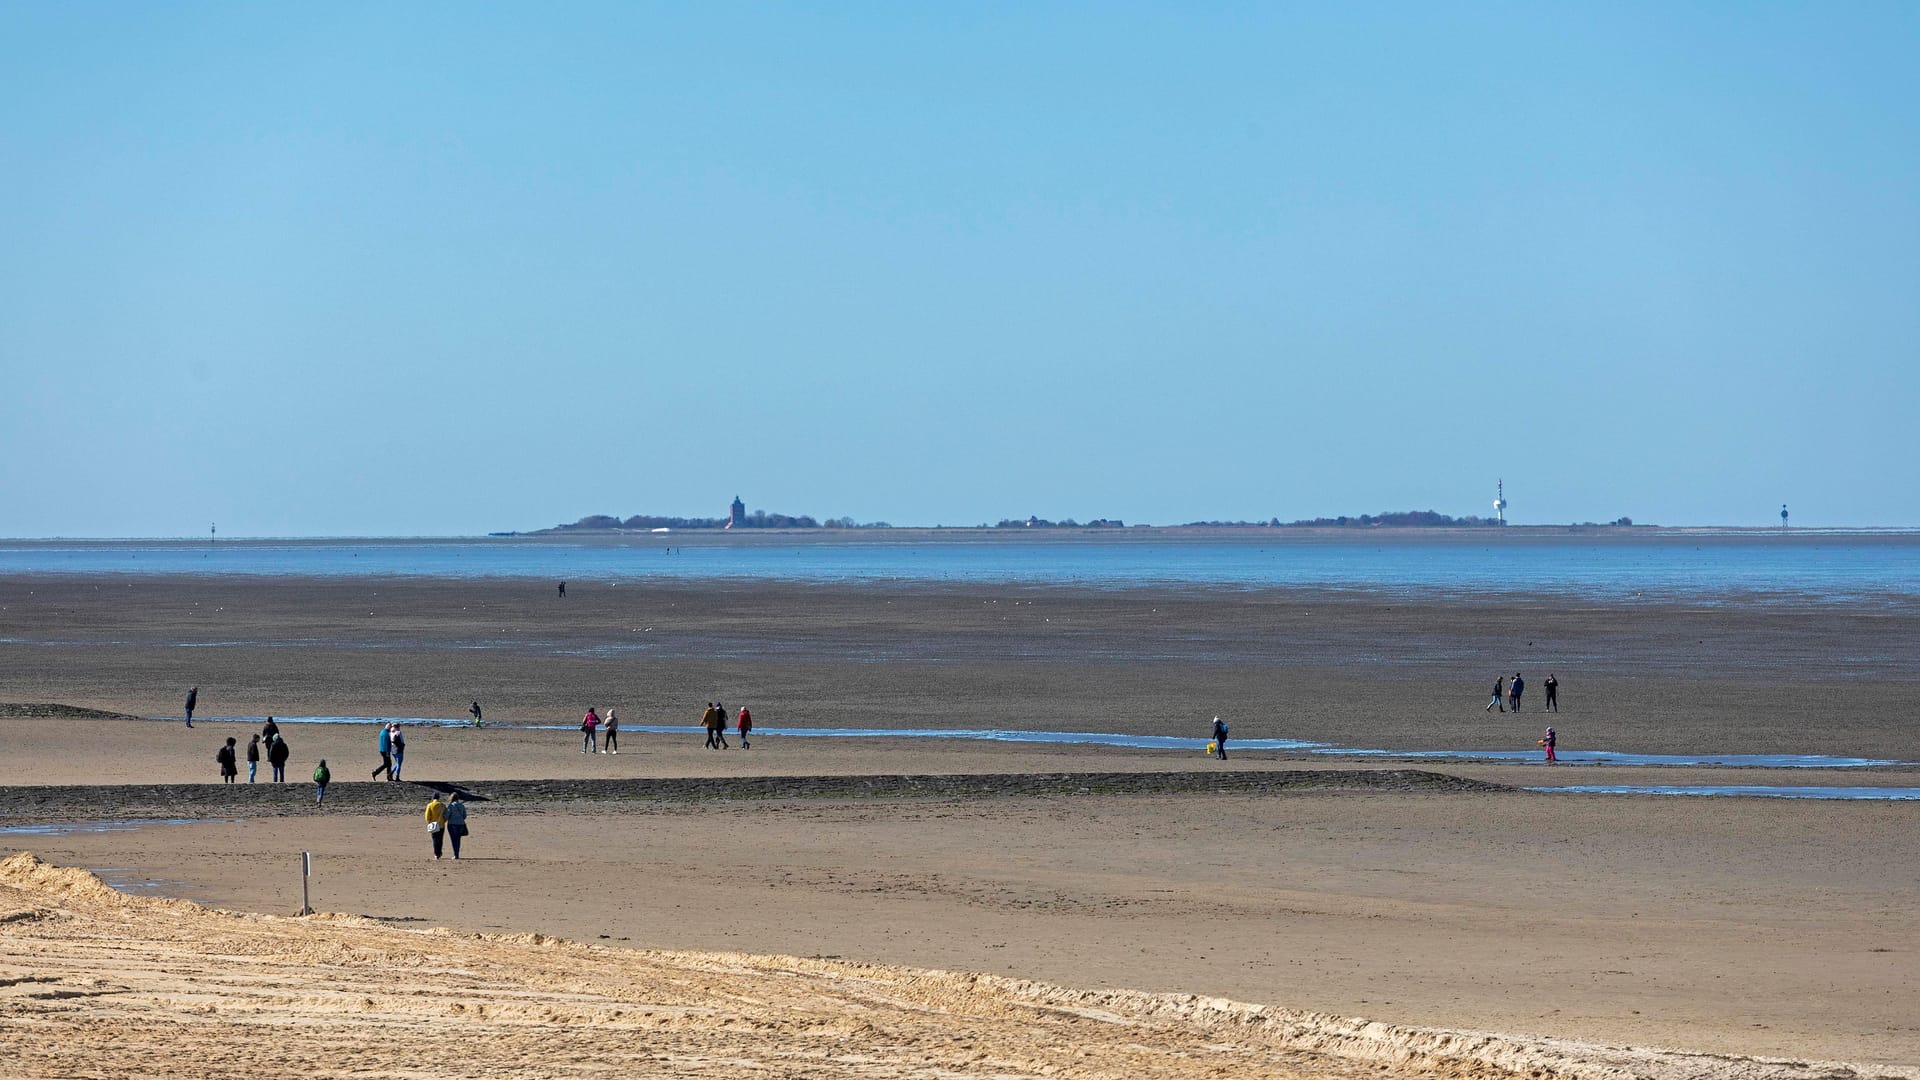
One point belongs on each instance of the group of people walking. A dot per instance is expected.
(715, 721)
(1511, 692)
(267, 744)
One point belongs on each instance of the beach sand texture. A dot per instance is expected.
(95, 983)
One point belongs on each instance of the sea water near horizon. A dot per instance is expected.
(1788, 567)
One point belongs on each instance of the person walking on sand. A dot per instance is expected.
(746, 726)
(589, 732)
(1499, 689)
(720, 726)
(474, 711)
(399, 750)
(193, 698)
(253, 758)
(1547, 743)
(612, 727)
(277, 753)
(1220, 738)
(456, 823)
(706, 721)
(229, 768)
(563, 590)
(1513, 691)
(386, 753)
(436, 821)
(321, 778)
(1553, 692)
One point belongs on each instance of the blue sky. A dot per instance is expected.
(446, 269)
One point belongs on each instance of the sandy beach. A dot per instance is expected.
(1732, 927)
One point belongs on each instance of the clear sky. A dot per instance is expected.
(372, 269)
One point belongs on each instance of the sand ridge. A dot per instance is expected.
(101, 983)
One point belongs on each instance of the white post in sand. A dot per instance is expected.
(306, 872)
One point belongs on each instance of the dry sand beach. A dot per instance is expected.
(1739, 928)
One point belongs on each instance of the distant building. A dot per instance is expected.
(737, 514)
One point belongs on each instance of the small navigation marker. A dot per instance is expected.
(1783, 515)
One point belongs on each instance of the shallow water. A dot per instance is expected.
(1897, 794)
(69, 828)
(1797, 567)
(1176, 742)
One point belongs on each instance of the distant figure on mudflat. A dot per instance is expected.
(1220, 738)
(399, 750)
(611, 725)
(720, 726)
(563, 590)
(746, 726)
(1513, 691)
(473, 710)
(322, 776)
(229, 767)
(193, 698)
(1547, 743)
(1499, 690)
(1553, 692)
(386, 753)
(589, 732)
(277, 753)
(253, 758)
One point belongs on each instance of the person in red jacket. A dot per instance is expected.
(590, 732)
(746, 726)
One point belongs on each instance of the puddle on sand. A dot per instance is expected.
(1174, 742)
(69, 828)
(1895, 794)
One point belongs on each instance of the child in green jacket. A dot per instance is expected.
(320, 777)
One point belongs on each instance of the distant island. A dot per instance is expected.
(739, 517)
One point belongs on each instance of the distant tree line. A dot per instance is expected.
(759, 519)
(1067, 523)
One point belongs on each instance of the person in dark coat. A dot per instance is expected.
(277, 754)
(253, 758)
(229, 762)
(1220, 738)
(193, 698)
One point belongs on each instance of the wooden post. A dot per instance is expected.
(306, 872)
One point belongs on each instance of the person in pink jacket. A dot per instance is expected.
(590, 732)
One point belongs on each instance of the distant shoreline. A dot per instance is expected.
(1054, 534)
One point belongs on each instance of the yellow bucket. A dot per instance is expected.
(1213, 748)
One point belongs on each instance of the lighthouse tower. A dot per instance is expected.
(1500, 502)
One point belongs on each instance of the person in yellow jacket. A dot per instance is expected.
(436, 822)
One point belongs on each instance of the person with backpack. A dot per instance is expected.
(590, 732)
(1220, 738)
(321, 778)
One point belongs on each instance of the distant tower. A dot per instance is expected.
(737, 513)
(1783, 515)
(1500, 502)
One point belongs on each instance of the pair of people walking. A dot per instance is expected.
(393, 752)
(715, 721)
(593, 726)
(447, 821)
